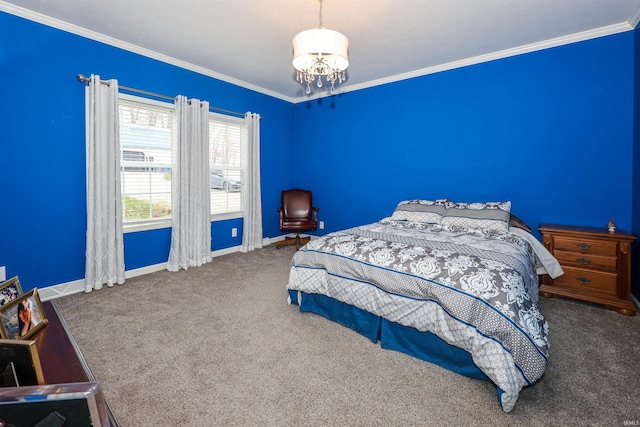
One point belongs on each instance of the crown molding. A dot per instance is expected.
(635, 18)
(533, 47)
(80, 31)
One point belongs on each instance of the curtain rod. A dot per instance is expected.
(83, 79)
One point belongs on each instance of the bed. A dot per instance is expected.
(451, 283)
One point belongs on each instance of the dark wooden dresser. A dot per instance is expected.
(596, 264)
(60, 357)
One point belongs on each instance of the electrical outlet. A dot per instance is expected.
(3, 274)
(321, 225)
(234, 232)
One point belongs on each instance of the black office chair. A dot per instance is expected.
(297, 214)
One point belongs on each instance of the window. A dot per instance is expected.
(145, 168)
(227, 163)
(146, 133)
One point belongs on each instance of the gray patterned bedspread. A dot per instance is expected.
(475, 292)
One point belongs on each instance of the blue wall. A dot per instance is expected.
(635, 228)
(42, 187)
(552, 131)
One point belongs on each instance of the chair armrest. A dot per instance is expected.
(315, 214)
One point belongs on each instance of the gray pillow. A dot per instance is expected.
(491, 217)
(429, 211)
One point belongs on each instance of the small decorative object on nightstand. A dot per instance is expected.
(596, 264)
(611, 226)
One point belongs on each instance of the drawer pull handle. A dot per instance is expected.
(583, 280)
(583, 261)
(583, 246)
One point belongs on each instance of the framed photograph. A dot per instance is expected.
(19, 363)
(10, 290)
(75, 404)
(22, 317)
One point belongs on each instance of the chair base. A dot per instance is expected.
(293, 240)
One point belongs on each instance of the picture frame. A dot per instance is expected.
(20, 363)
(12, 322)
(73, 404)
(10, 290)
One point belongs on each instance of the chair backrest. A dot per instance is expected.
(297, 204)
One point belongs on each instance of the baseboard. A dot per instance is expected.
(55, 291)
(76, 286)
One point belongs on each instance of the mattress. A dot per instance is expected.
(475, 292)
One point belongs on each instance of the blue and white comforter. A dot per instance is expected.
(475, 292)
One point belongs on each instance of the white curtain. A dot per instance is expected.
(104, 263)
(252, 225)
(190, 202)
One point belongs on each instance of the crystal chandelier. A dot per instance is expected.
(320, 52)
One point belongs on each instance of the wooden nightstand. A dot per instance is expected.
(596, 264)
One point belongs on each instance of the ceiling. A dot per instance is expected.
(248, 42)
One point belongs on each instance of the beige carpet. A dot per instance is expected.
(219, 346)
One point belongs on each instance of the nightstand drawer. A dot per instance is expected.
(585, 246)
(596, 264)
(588, 280)
(586, 260)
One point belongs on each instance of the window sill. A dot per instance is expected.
(155, 225)
(144, 226)
(227, 215)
